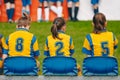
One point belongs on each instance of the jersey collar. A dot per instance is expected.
(60, 31)
(104, 30)
(22, 29)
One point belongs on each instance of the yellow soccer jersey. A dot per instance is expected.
(56, 47)
(22, 43)
(102, 44)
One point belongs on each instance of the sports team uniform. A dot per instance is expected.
(11, 1)
(56, 0)
(22, 43)
(73, 0)
(26, 2)
(102, 44)
(42, 1)
(94, 2)
(56, 47)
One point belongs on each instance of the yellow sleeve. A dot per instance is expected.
(46, 45)
(46, 49)
(86, 44)
(115, 42)
(35, 46)
(4, 45)
(72, 45)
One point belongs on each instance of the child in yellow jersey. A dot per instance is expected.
(59, 43)
(101, 42)
(22, 42)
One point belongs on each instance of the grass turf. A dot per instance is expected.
(77, 30)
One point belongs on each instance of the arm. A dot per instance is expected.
(86, 46)
(46, 49)
(71, 47)
(115, 42)
(4, 48)
(35, 48)
(4, 56)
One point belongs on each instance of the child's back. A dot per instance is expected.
(101, 42)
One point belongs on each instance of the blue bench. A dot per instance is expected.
(60, 65)
(22, 66)
(100, 66)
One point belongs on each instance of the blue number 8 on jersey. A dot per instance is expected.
(19, 44)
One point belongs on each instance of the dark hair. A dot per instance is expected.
(24, 20)
(99, 20)
(58, 23)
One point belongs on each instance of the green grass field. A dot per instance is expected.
(77, 30)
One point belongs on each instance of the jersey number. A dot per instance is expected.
(19, 44)
(105, 49)
(60, 46)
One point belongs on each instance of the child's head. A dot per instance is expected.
(99, 22)
(24, 22)
(58, 24)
